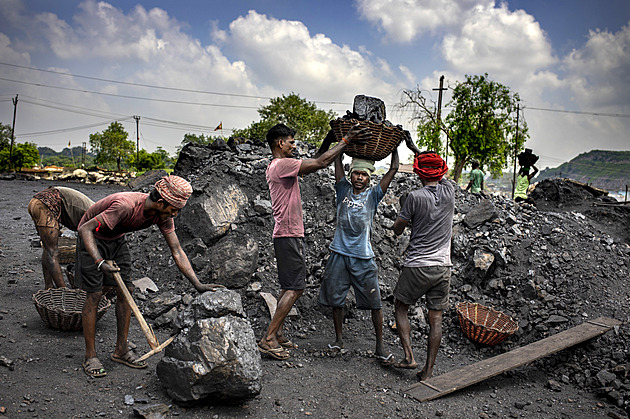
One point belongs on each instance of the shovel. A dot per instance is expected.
(148, 332)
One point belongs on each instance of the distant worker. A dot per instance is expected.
(351, 262)
(476, 178)
(523, 180)
(288, 232)
(53, 206)
(427, 268)
(102, 237)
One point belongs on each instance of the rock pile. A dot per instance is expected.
(549, 269)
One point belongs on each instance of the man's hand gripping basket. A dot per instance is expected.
(484, 325)
(379, 139)
(60, 308)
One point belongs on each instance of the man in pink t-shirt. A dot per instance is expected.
(102, 237)
(288, 233)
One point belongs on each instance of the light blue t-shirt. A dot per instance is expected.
(355, 214)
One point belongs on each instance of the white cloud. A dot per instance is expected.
(283, 54)
(405, 20)
(510, 45)
(599, 72)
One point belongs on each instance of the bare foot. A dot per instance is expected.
(402, 364)
(424, 374)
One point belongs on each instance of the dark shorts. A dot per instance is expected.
(291, 262)
(341, 273)
(89, 278)
(432, 281)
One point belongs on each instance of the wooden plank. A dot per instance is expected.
(463, 377)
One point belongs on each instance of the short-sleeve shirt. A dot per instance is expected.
(430, 212)
(286, 202)
(477, 180)
(355, 215)
(121, 213)
(73, 206)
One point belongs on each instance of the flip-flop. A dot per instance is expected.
(93, 368)
(288, 344)
(384, 358)
(129, 359)
(277, 353)
(334, 347)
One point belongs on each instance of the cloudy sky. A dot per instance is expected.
(188, 66)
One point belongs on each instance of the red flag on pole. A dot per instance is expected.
(220, 126)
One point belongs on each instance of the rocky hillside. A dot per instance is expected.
(609, 170)
(550, 268)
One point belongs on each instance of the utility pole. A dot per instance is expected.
(439, 113)
(518, 108)
(137, 118)
(15, 102)
(83, 147)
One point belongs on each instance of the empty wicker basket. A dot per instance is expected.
(484, 325)
(380, 140)
(60, 308)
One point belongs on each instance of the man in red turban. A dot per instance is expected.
(102, 237)
(426, 270)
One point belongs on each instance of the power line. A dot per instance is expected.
(614, 115)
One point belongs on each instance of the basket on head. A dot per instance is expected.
(60, 308)
(381, 140)
(483, 324)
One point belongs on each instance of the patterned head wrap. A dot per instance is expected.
(429, 166)
(174, 189)
(361, 165)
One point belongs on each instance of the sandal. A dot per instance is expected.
(288, 344)
(277, 353)
(129, 359)
(93, 368)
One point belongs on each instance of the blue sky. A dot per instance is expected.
(77, 66)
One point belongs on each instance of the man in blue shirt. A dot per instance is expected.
(351, 262)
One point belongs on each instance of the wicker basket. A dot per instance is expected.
(381, 140)
(60, 308)
(484, 325)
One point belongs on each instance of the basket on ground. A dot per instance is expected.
(483, 324)
(380, 140)
(60, 308)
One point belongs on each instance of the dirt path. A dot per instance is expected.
(46, 379)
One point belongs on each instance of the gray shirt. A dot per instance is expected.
(73, 206)
(430, 212)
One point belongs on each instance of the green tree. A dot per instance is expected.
(111, 145)
(159, 159)
(311, 124)
(481, 125)
(5, 136)
(24, 155)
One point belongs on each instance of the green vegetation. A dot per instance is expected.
(481, 125)
(112, 146)
(24, 155)
(608, 170)
(311, 124)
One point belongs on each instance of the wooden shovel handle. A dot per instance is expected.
(153, 342)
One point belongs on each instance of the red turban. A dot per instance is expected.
(429, 166)
(174, 189)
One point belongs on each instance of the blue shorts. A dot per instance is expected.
(345, 271)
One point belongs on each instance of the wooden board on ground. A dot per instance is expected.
(272, 304)
(463, 377)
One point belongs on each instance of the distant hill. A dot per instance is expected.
(608, 170)
(66, 157)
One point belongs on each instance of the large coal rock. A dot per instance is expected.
(233, 260)
(145, 182)
(214, 357)
(211, 211)
(369, 109)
